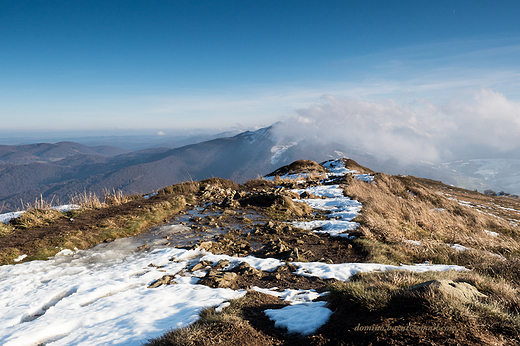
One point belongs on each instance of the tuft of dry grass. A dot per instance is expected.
(228, 327)
(285, 209)
(36, 218)
(87, 200)
(186, 188)
(91, 200)
(117, 197)
(6, 229)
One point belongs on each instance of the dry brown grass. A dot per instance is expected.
(36, 218)
(228, 327)
(399, 209)
(87, 200)
(6, 229)
(377, 292)
(186, 188)
(396, 209)
(91, 200)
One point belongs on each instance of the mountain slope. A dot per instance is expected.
(332, 257)
(242, 157)
(58, 171)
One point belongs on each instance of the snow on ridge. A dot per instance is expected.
(101, 296)
(278, 150)
(337, 168)
(342, 210)
(5, 218)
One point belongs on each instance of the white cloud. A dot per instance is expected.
(417, 130)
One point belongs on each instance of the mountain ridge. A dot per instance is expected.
(61, 170)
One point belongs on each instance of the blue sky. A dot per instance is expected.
(168, 65)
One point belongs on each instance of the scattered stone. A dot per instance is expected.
(291, 267)
(306, 194)
(245, 269)
(217, 279)
(294, 255)
(142, 247)
(165, 280)
(326, 260)
(221, 264)
(229, 212)
(206, 245)
(200, 265)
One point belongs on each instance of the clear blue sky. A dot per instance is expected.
(162, 65)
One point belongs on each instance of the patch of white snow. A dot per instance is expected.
(304, 318)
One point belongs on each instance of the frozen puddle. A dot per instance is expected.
(100, 296)
(342, 210)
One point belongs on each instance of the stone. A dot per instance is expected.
(245, 269)
(200, 265)
(206, 245)
(165, 280)
(451, 289)
(218, 279)
(221, 264)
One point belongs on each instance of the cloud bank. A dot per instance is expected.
(487, 123)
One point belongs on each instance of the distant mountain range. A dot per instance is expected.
(58, 171)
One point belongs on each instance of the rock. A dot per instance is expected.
(200, 265)
(245, 269)
(142, 247)
(230, 202)
(165, 280)
(206, 245)
(294, 255)
(218, 279)
(326, 260)
(276, 247)
(451, 289)
(229, 212)
(221, 264)
(306, 194)
(291, 267)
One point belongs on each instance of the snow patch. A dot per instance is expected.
(100, 296)
(305, 318)
(344, 271)
(278, 150)
(342, 210)
(493, 234)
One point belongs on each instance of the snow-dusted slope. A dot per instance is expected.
(495, 174)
